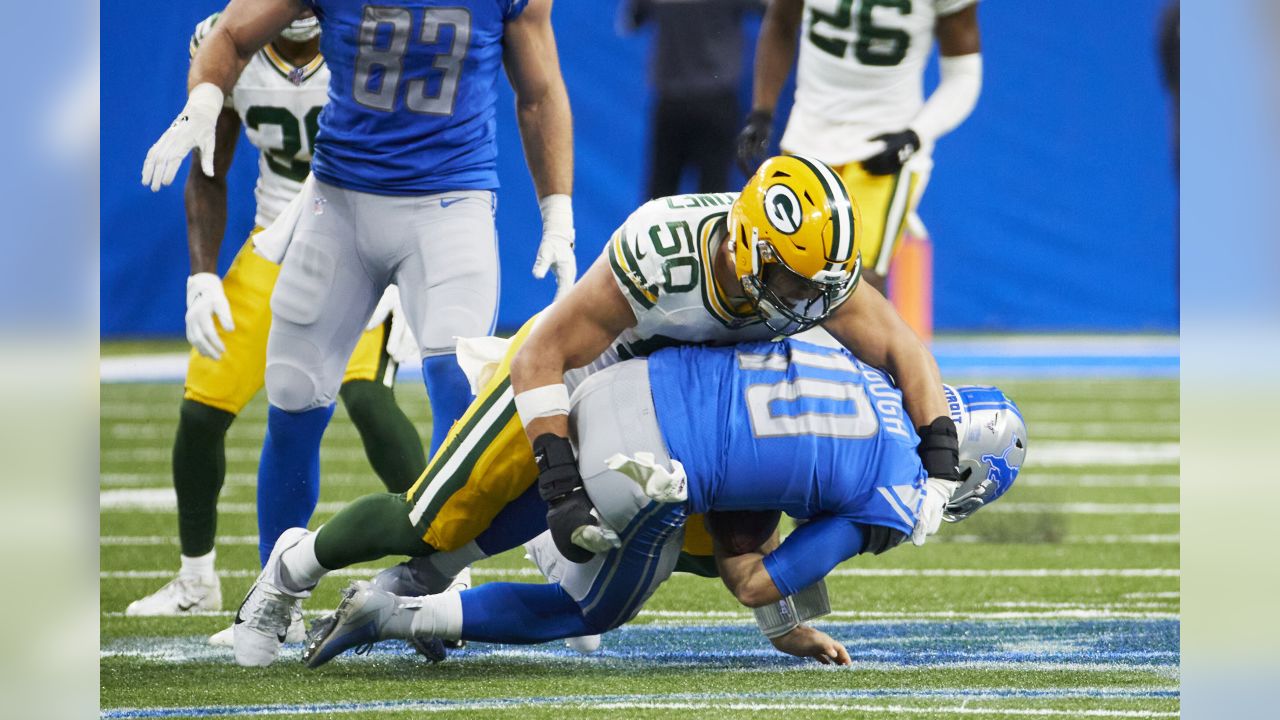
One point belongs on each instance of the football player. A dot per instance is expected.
(789, 426)
(859, 102)
(402, 191)
(776, 259)
(277, 99)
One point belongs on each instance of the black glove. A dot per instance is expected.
(899, 147)
(940, 449)
(753, 141)
(568, 507)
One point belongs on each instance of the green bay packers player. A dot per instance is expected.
(859, 102)
(278, 100)
(778, 258)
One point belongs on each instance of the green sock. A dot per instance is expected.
(199, 467)
(390, 440)
(370, 528)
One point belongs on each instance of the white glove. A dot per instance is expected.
(195, 126)
(937, 493)
(556, 249)
(401, 345)
(665, 486)
(205, 300)
(596, 538)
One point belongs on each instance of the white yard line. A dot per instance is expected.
(838, 572)
(1065, 453)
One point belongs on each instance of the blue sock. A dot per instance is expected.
(522, 520)
(449, 394)
(289, 473)
(521, 613)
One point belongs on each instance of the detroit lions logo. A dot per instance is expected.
(1002, 472)
(782, 207)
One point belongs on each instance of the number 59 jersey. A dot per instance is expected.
(791, 426)
(279, 105)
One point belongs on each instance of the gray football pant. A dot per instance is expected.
(441, 251)
(613, 412)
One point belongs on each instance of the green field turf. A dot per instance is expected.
(1061, 601)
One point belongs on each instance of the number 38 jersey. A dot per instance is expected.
(279, 105)
(860, 73)
(661, 259)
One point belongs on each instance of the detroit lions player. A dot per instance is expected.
(790, 426)
(403, 181)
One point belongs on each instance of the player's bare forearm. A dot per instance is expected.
(775, 52)
(206, 198)
(243, 28)
(570, 334)
(542, 102)
(869, 326)
(745, 575)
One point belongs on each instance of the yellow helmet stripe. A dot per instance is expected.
(838, 201)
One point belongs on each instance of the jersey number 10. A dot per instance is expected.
(380, 65)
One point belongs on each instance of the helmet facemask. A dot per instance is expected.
(786, 301)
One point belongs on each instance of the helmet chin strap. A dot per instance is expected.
(302, 29)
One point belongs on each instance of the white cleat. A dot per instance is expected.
(585, 645)
(357, 623)
(262, 622)
(296, 634)
(182, 595)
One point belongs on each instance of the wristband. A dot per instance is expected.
(557, 215)
(777, 618)
(812, 602)
(540, 402)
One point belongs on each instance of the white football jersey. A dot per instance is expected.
(860, 74)
(279, 105)
(661, 260)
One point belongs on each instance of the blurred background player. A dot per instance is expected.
(402, 192)
(860, 106)
(695, 70)
(277, 99)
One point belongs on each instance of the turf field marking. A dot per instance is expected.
(247, 453)
(838, 572)
(1083, 508)
(1103, 429)
(1067, 453)
(1119, 479)
(733, 617)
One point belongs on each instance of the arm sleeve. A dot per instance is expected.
(812, 551)
(951, 102)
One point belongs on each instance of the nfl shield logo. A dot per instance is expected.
(296, 76)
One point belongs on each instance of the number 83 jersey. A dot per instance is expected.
(279, 105)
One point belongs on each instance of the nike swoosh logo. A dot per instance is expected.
(446, 202)
(184, 608)
(639, 252)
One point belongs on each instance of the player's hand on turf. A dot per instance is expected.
(194, 127)
(659, 483)
(753, 140)
(576, 529)
(556, 249)
(898, 148)
(805, 641)
(937, 495)
(205, 301)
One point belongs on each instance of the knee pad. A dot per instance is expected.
(292, 389)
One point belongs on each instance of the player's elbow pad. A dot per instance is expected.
(878, 538)
(959, 84)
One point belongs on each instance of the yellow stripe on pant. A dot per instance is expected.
(485, 463)
(886, 201)
(230, 382)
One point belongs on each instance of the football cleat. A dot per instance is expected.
(182, 595)
(584, 645)
(413, 579)
(262, 622)
(357, 623)
(296, 634)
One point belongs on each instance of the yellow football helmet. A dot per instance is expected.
(795, 235)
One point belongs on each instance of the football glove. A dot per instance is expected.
(401, 344)
(658, 483)
(898, 148)
(195, 127)
(574, 524)
(205, 301)
(936, 495)
(556, 248)
(753, 141)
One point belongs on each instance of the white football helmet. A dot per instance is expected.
(993, 446)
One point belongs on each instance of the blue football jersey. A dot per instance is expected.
(411, 94)
(791, 426)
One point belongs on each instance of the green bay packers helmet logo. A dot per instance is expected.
(782, 207)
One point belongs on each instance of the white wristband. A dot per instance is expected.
(557, 214)
(205, 99)
(540, 402)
